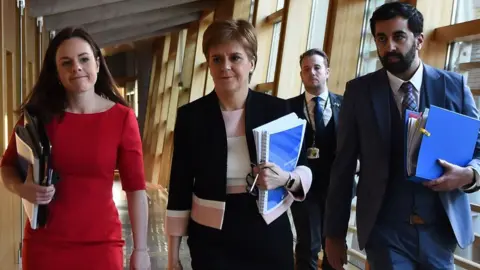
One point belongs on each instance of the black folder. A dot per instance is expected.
(34, 149)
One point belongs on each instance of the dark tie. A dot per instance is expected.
(318, 114)
(408, 98)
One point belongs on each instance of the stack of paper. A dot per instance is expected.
(415, 131)
(279, 142)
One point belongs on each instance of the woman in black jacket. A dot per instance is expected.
(209, 198)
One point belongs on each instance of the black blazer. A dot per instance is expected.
(199, 163)
(297, 105)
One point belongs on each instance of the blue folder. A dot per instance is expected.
(451, 137)
(279, 142)
(284, 151)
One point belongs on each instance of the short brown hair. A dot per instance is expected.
(220, 32)
(312, 52)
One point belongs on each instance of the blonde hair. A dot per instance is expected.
(221, 32)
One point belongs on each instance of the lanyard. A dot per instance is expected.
(308, 115)
(308, 111)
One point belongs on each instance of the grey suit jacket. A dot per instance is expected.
(364, 131)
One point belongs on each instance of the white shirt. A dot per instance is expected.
(396, 83)
(327, 108)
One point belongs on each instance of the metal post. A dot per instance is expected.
(40, 42)
(21, 7)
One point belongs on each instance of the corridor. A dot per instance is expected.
(157, 243)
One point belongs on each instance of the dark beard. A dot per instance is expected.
(404, 63)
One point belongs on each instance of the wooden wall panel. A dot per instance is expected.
(164, 176)
(152, 91)
(3, 90)
(31, 58)
(344, 43)
(189, 63)
(295, 24)
(264, 38)
(10, 51)
(236, 9)
(433, 52)
(10, 77)
(165, 100)
(200, 67)
(153, 157)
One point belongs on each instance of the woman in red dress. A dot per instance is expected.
(92, 131)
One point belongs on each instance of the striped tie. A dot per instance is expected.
(408, 101)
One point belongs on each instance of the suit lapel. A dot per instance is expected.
(215, 118)
(435, 88)
(335, 105)
(252, 120)
(380, 94)
(298, 106)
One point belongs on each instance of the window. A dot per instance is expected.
(131, 89)
(280, 4)
(272, 63)
(318, 24)
(252, 10)
(368, 59)
(464, 58)
(465, 55)
(182, 39)
(466, 10)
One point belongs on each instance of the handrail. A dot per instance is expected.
(357, 254)
(475, 208)
(465, 263)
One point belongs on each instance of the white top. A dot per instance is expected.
(238, 158)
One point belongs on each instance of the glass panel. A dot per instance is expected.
(280, 4)
(252, 9)
(274, 52)
(318, 23)
(369, 61)
(465, 60)
(466, 10)
(181, 49)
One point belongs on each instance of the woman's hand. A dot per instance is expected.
(35, 193)
(270, 176)
(140, 260)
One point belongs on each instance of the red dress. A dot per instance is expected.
(83, 227)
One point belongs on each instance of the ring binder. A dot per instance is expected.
(438, 138)
(279, 142)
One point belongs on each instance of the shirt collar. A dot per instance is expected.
(416, 80)
(323, 96)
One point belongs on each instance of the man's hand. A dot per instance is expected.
(336, 252)
(454, 177)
